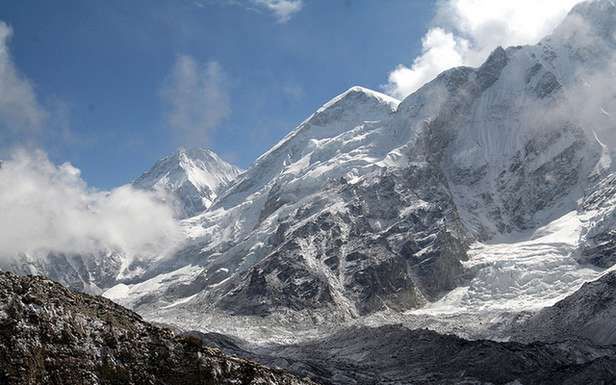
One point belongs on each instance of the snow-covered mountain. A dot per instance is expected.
(327, 222)
(375, 205)
(488, 191)
(192, 178)
(483, 205)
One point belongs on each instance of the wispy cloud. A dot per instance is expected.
(48, 208)
(282, 9)
(464, 32)
(197, 99)
(21, 115)
(293, 91)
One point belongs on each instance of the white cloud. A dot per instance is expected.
(282, 9)
(197, 98)
(21, 116)
(45, 208)
(49, 209)
(464, 32)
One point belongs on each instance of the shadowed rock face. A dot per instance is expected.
(51, 335)
(587, 314)
(343, 255)
(598, 243)
(396, 355)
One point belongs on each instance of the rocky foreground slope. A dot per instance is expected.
(51, 335)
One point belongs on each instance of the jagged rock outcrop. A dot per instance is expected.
(51, 335)
(598, 242)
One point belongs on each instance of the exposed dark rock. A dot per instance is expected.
(598, 243)
(367, 258)
(588, 314)
(51, 335)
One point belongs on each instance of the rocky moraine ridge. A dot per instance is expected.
(52, 335)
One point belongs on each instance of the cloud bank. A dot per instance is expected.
(21, 116)
(464, 32)
(197, 99)
(48, 208)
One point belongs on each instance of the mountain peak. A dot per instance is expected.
(194, 177)
(371, 105)
(362, 95)
(196, 152)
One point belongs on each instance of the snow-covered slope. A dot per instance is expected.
(372, 205)
(192, 178)
(325, 220)
(518, 275)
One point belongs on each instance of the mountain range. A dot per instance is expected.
(482, 205)
(488, 188)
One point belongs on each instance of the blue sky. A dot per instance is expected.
(104, 71)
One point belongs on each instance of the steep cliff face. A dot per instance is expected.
(598, 208)
(51, 335)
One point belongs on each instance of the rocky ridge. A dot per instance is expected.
(51, 335)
